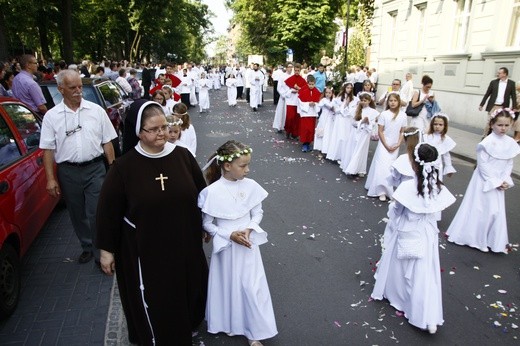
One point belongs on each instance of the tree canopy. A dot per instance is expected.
(116, 29)
(270, 27)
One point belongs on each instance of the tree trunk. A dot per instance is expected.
(42, 22)
(66, 31)
(4, 49)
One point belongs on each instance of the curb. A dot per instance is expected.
(515, 175)
(116, 330)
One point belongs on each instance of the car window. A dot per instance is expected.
(51, 91)
(9, 151)
(28, 126)
(111, 95)
(89, 94)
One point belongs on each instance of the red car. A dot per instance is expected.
(25, 204)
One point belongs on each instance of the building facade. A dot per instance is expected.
(460, 44)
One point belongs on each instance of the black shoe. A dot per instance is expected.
(85, 257)
(254, 109)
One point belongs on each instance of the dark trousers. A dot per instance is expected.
(80, 187)
(240, 90)
(275, 92)
(247, 94)
(357, 88)
(185, 98)
(146, 89)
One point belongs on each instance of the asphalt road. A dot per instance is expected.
(324, 241)
(323, 244)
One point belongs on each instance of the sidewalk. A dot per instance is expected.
(467, 139)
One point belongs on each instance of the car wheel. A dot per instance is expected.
(9, 280)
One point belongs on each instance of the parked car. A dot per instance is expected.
(102, 91)
(25, 204)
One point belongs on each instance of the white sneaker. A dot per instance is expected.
(432, 329)
(382, 198)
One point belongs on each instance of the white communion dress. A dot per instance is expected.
(239, 301)
(409, 274)
(481, 221)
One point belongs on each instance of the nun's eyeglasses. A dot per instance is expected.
(156, 130)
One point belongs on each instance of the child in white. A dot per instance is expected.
(437, 136)
(481, 221)
(344, 105)
(355, 156)
(204, 85)
(402, 169)
(391, 124)
(239, 302)
(409, 273)
(325, 122)
(188, 136)
(231, 84)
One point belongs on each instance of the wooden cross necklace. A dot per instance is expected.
(162, 179)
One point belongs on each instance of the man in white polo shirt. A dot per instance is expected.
(77, 135)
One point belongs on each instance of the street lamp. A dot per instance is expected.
(346, 37)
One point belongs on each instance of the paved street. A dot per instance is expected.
(323, 244)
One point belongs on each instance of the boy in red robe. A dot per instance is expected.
(308, 99)
(293, 84)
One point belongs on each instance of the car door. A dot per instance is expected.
(24, 201)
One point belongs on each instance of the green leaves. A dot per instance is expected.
(272, 27)
(116, 29)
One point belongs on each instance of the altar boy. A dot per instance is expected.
(308, 99)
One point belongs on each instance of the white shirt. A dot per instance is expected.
(278, 74)
(124, 84)
(83, 145)
(361, 76)
(189, 139)
(185, 86)
(501, 92)
(256, 78)
(407, 91)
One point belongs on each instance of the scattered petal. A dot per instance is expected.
(358, 272)
(337, 324)
(502, 291)
(290, 233)
(452, 272)
(476, 268)
(514, 326)
(497, 324)
(356, 304)
(497, 276)
(399, 313)
(478, 296)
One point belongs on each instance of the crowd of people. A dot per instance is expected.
(120, 219)
(408, 274)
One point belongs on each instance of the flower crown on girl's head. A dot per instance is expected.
(440, 114)
(393, 93)
(406, 134)
(227, 158)
(500, 110)
(365, 93)
(230, 157)
(177, 122)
